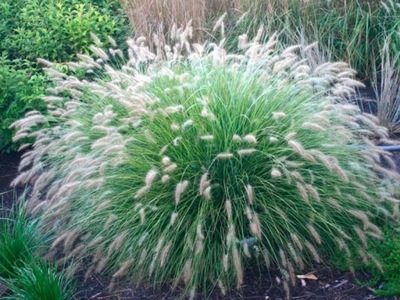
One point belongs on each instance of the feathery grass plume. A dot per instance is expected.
(225, 155)
(275, 173)
(226, 97)
(171, 168)
(180, 189)
(250, 138)
(236, 138)
(244, 152)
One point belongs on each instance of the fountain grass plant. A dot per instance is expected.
(22, 271)
(18, 241)
(39, 281)
(191, 164)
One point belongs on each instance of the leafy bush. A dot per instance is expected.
(56, 30)
(21, 89)
(168, 168)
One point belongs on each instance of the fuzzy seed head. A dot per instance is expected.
(361, 216)
(313, 251)
(228, 209)
(187, 124)
(273, 139)
(236, 138)
(238, 266)
(204, 183)
(296, 241)
(250, 138)
(246, 250)
(296, 146)
(164, 253)
(314, 234)
(208, 137)
(249, 193)
(174, 215)
(123, 270)
(266, 258)
(187, 271)
(278, 115)
(303, 192)
(150, 177)
(275, 173)
(141, 192)
(170, 168)
(226, 155)
(225, 262)
(342, 174)
(361, 235)
(166, 161)
(313, 192)
(245, 152)
(179, 190)
(165, 178)
(175, 127)
(142, 215)
(207, 193)
(110, 220)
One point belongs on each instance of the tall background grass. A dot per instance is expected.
(350, 30)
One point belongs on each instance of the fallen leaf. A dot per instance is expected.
(307, 276)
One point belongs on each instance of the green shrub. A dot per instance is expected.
(21, 89)
(56, 30)
(167, 169)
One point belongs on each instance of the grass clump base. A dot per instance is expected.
(165, 169)
(24, 274)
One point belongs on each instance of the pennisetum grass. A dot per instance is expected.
(22, 272)
(270, 152)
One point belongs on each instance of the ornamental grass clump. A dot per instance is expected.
(191, 164)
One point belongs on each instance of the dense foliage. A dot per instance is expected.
(55, 30)
(21, 89)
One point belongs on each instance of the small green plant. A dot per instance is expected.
(22, 271)
(38, 282)
(166, 169)
(19, 240)
(388, 252)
